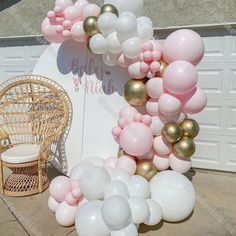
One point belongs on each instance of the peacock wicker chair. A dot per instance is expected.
(34, 112)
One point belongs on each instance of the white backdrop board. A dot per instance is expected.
(96, 93)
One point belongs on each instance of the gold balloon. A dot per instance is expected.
(90, 26)
(109, 8)
(190, 128)
(172, 132)
(146, 169)
(162, 68)
(135, 92)
(185, 148)
(120, 152)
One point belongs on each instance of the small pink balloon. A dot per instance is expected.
(152, 107)
(53, 204)
(151, 75)
(126, 163)
(147, 56)
(70, 199)
(59, 188)
(66, 34)
(65, 214)
(180, 165)
(135, 71)
(148, 156)
(76, 193)
(178, 118)
(136, 139)
(161, 163)
(155, 66)
(128, 113)
(91, 10)
(180, 77)
(156, 55)
(169, 105)
(161, 146)
(144, 67)
(194, 102)
(77, 32)
(74, 184)
(71, 13)
(157, 125)
(147, 46)
(110, 162)
(116, 131)
(63, 4)
(138, 117)
(184, 45)
(122, 122)
(147, 120)
(155, 87)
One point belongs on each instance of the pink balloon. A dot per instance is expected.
(74, 184)
(59, 188)
(125, 62)
(71, 13)
(156, 55)
(65, 214)
(135, 71)
(128, 113)
(148, 156)
(63, 4)
(71, 200)
(178, 118)
(180, 77)
(161, 146)
(184, 45)
(152, 107)
(194, 102)
(53, 204)
(169, 105)
(155, 66)
(110, 162)
(136, 139)
(77, 32)
(127, 163)
(161, 163)
(180, 165)
(155, 87)
(147, 46)
(80, 4)
(76, 193)
(91, 10)
(144, 67)
(157, 125)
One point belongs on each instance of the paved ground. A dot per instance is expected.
(214, 214)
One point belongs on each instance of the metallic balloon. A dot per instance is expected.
(91, 26)
(120, 152)
(109, 8)
(146, 169)
(162, 68)
(190, 128)
(185, 148)
(135, 92)
(172, 132)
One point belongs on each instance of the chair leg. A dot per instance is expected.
(40, 177)
(1, 178)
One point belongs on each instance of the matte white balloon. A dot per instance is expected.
(116, 213)
(107, 22)
(113, 43)
(130, 230)
(97, 161)
(179, 165)
(155, 213)
(144, 20)
(116, 188)
(89, 221)
(145, 32)
(83, 202)
(98, 44)
(121, 175)
(140, 209)
(175, 194)
(132, 47)
(156, 126)
(110, 59)
(79, 169)
(135, 72)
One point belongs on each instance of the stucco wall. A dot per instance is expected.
(23, 17)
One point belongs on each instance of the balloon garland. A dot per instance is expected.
(113, 197)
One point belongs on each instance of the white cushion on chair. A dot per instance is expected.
(21, 153)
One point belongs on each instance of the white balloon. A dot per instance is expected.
(156, 126)
(132, 47)
(93, 183)
(135, 71)
(179, 165)
(144, 20)
(116, 213)
(116, 188)
(140, 209)
(126, 25)
(89, 221)
(139, 187)
(130, 230)
(110, 59)
(145, 32)
(98, 44)
(83, 202)
(113, 43)
(79, 169)
(107, 22)
(53, 204)
(161, 163)
(134, 6)
(121, 175)
(155, 213)
(175, 194)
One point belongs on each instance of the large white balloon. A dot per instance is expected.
(79, 169)
(116, 188)
(175, 194)
(126, 25)
(144, 20)
(156, 126)
(145, 31)
(132, 47)
(134, 6)
(98, 44)
(130, 230)
(89, 221)
(113, 43)
(155, 213)
(116, 213)
(107, 23)
(121, 175)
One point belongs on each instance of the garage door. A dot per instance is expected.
(216, 145)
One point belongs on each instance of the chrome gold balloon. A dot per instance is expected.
(172, 132)
(190, 128)
(162, 68)
(120, 152)
(109, 8)
(91, 26)
(185, 148)
(135, 92)
(146, 169)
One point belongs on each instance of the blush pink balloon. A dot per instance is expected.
(157, 125)
(136, 139)
(70, 199)
(148, 156)
(53, 204)
(128, 113)
(59, 188)
(169, 105)
(80, 4)
(144, 67)
(180, 165)
(127, 163)
(91, 10)
(71, 13)
(155, 66)
(135, 71)
(110, 162)
(155, 87)
(152, 107)
(161, 146)
(63, 4)
(178, 118)
(147, 46)
(77, 32)
(161, 162)
(184, 45)
(180, 77)
(74, 184)
(194, 102)
(76, 193)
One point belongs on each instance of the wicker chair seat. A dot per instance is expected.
(21, 154)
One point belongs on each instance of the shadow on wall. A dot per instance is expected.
(7, 3)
